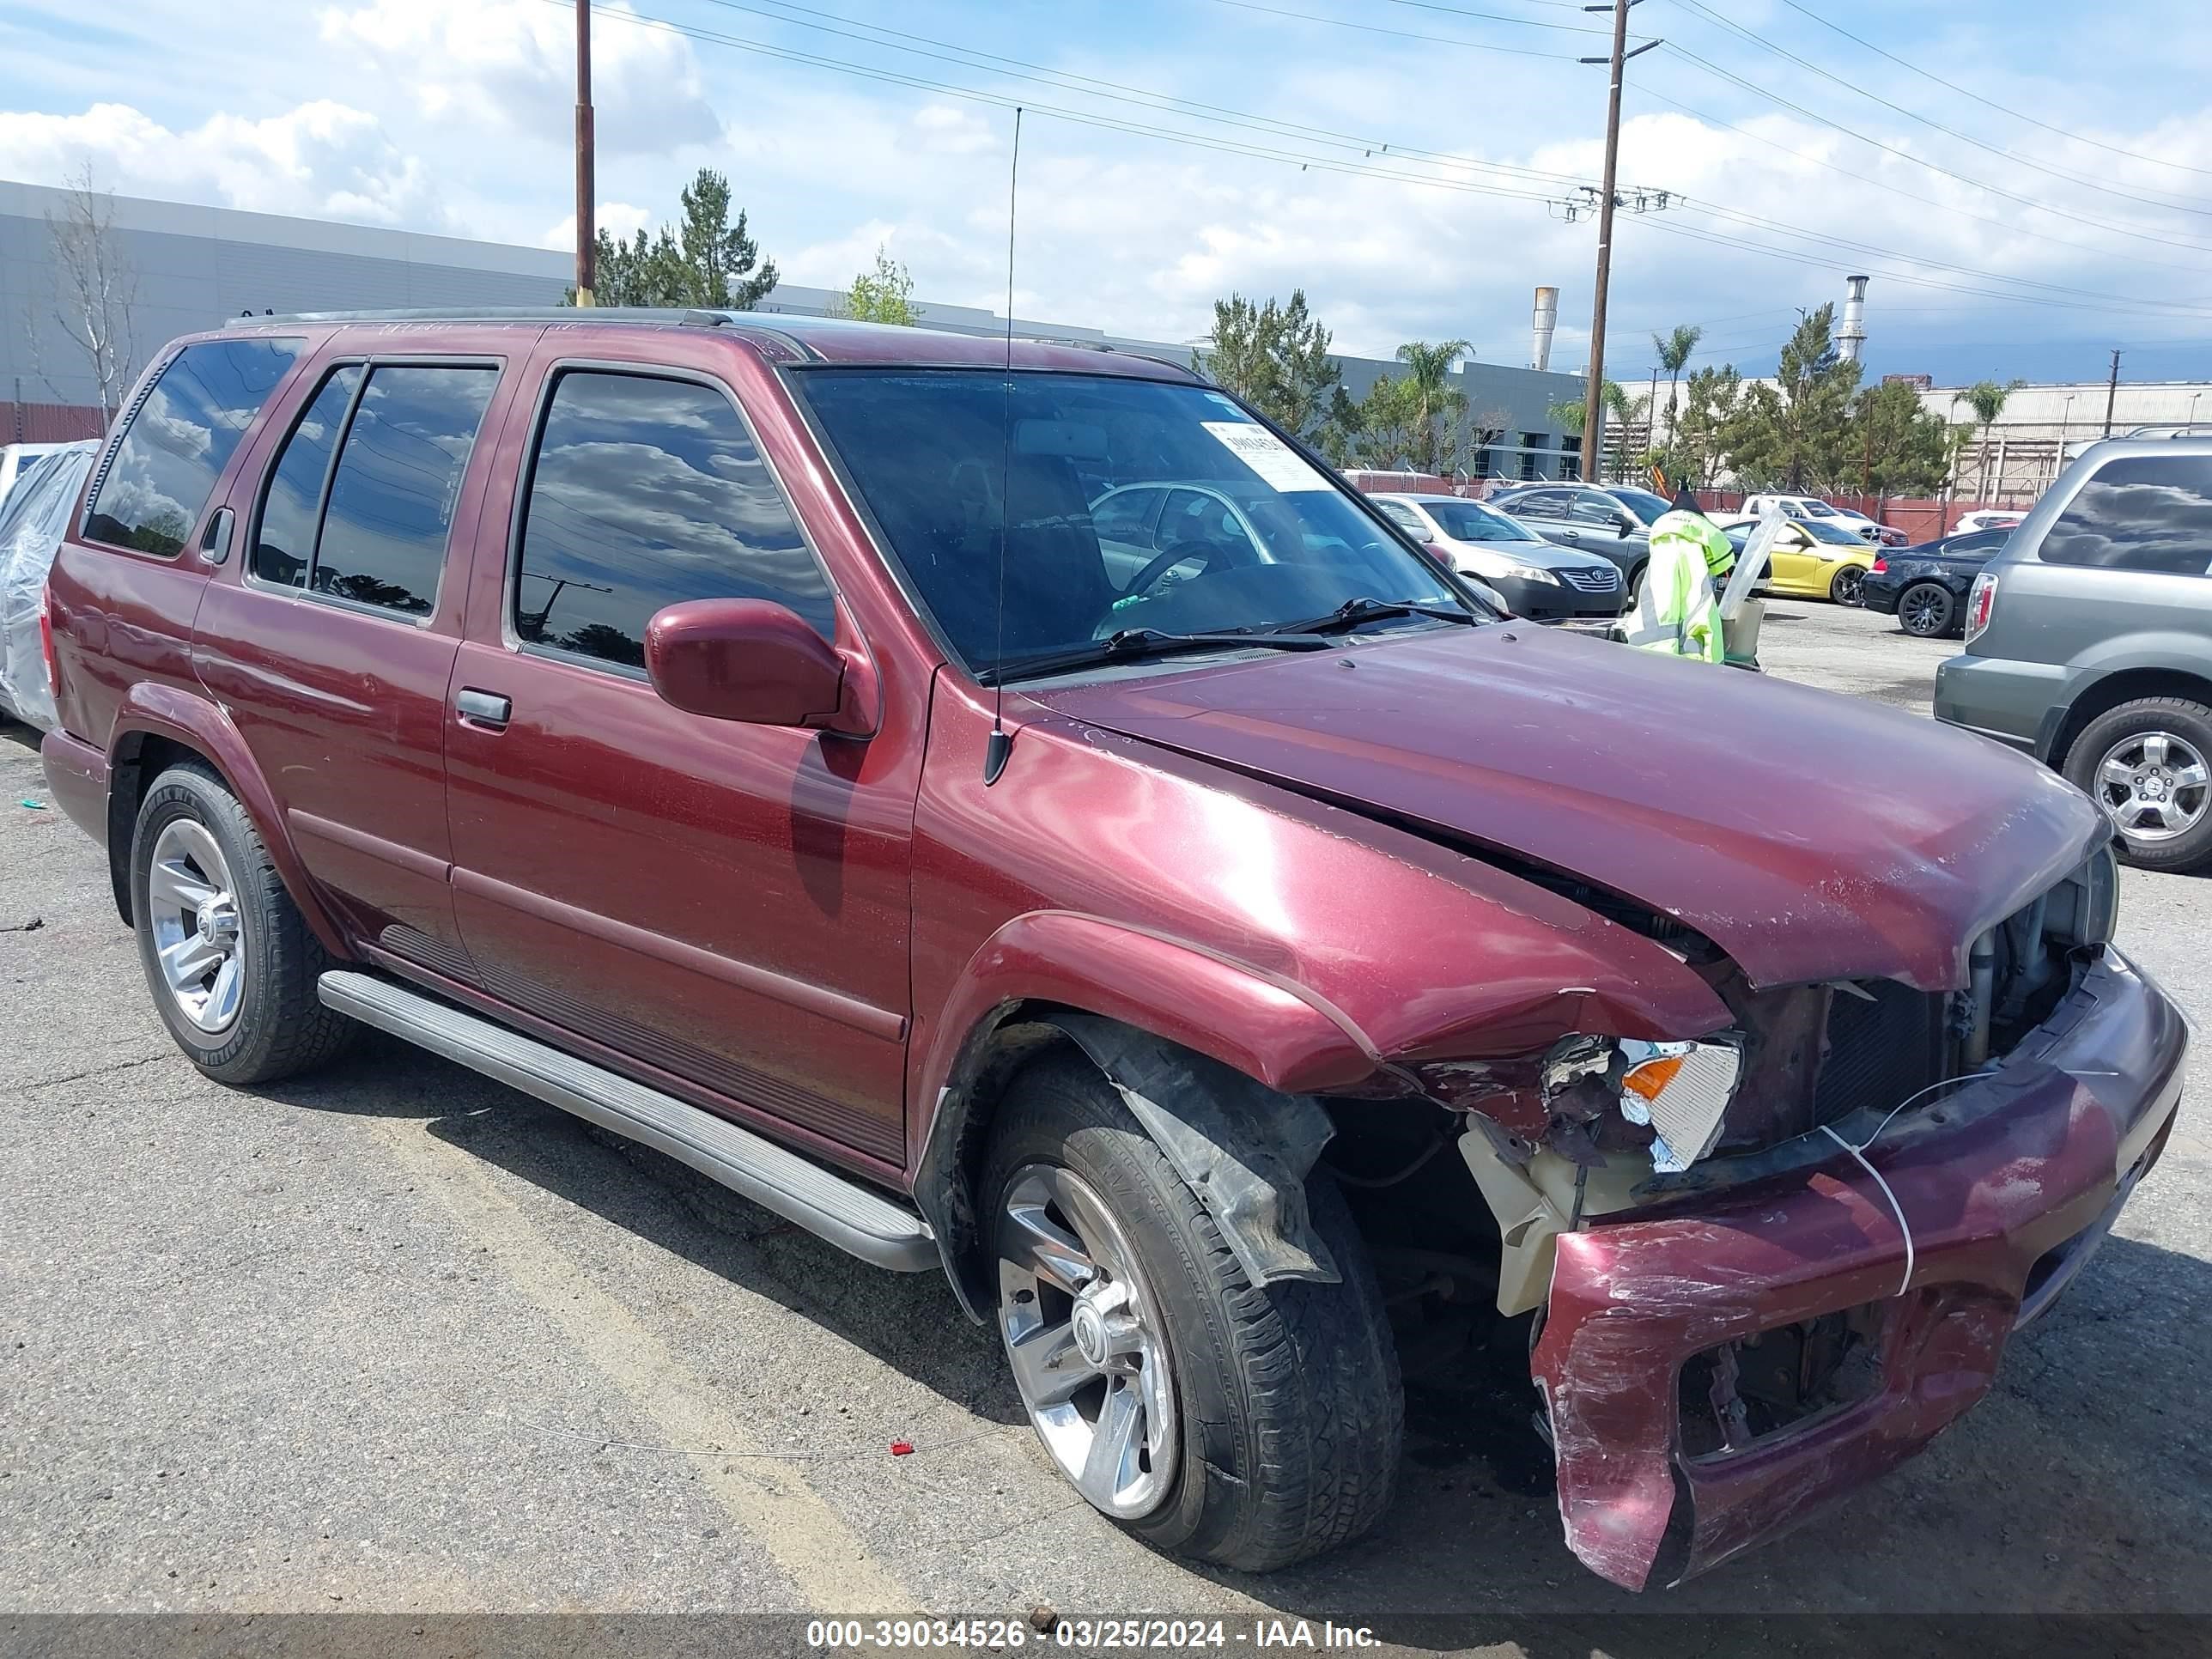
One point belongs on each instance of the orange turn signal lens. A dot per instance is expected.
(1651, 1077)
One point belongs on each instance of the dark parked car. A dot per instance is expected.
(1233, 974)
(1613, 522)
(2089, 641)
(1925, 587)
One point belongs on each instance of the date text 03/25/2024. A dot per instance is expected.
(1087, 1635)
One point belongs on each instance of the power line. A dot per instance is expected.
(1045, 75)
(1080, 117)
(1305, 161)
(1738, 83)
(1401, 34)
(1698, 9)
(1900, 191)
(1990, 103)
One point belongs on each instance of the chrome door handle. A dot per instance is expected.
(483, 707)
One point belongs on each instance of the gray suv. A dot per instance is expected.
(2089, 643)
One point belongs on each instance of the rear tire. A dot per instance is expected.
(1927, 611)
(231, 962)
(2145, 763)
(1288, 1416)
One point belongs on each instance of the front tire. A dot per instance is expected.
(1249, 1426)
(2149, 765)
(231, 962)
(1843, 589)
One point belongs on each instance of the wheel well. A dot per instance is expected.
(140, 758)
(2127, 685)
(1376, 1145)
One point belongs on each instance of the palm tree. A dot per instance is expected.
(1675, 353)
(1987, 399)
(1428, 389)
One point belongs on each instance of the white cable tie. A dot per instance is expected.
(1896, 1209)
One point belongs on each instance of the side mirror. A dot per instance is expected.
(1626, 524)
(750, 660)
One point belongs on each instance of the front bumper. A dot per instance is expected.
(1550, 601)
(2007, 1184)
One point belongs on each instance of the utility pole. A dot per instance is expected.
(2112, 392)
(1594, 398)
(587, 235)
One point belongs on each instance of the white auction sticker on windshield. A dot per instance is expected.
(1279, 466)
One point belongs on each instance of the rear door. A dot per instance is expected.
(723, 908)
(333, 641)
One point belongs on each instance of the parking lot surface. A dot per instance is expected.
(395, 1338)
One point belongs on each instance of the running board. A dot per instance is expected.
(854, 1218)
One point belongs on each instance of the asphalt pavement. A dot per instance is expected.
(397, 1339)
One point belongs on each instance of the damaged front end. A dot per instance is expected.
(1770, 1262)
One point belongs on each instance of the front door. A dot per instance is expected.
(721, 907)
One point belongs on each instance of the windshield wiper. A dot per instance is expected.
(1353, 612)
(1132, 643)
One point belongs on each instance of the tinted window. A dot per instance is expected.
(1398, 514)
(950, 461)
(383, 533)
(179, 441)
(1590, 508)
(2150, 513)
(1543, 504)
(284, 544)
(1471, 521)
(647, 493)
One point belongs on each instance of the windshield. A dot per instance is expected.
(1129, 505)
(1813, 509)
(1471, 521)
(1643, 504)
(1820, 531)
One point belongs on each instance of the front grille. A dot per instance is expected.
(1879, 1053)
(1594, 582)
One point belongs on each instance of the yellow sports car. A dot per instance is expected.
(1812, 561)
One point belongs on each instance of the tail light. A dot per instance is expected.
(47, 644)
(1879, 567)
(1979, 603)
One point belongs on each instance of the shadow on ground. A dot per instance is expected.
(2039, 1500)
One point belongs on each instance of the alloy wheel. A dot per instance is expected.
(2154, 784)
(1845, 589)
(1925, 609)
(1084, 1336)
(198, 938)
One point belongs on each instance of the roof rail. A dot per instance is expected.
(691, 315)
(2167, 428)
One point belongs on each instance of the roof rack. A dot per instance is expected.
(2168, 428)
(692, 316)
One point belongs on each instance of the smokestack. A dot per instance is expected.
(1545, 322)
(1850, 338)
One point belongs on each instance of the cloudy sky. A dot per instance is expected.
(2048, 197)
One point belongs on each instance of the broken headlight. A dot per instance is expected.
(1680, 1091)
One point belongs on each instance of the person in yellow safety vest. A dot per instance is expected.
(1679, 610)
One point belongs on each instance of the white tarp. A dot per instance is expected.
(32, 523)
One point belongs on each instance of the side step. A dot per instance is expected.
(854, 1218)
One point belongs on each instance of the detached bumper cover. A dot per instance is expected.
(2007, 1184)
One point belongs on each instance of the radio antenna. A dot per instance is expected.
(1000, 745)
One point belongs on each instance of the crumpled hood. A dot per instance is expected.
(1809, 835)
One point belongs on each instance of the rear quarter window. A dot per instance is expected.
(177, 442)
(2151, 513)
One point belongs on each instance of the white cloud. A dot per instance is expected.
(322, 159)
(617, 219)
(515, 62)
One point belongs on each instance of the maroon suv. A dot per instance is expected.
(1183, 912)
